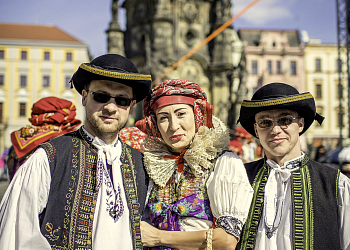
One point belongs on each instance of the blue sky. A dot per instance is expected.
(88, 20)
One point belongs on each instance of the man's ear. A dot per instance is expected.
(132, 105)
(84, 95)
(301, 124)
(256, 131)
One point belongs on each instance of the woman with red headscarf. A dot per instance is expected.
(51, 117)
(196, 183)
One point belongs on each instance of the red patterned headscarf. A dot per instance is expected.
(175, 92)
(51, 117)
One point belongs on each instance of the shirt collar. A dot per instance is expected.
(291, 164)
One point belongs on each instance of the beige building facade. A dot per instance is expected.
(273, 56)
(35, 62)
(321, 70)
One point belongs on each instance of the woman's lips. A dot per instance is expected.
(176, 137)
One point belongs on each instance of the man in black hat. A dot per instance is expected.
(298, 203)
(86, 189)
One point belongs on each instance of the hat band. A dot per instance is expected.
(257, 104)
(118, 75)
(172, 99)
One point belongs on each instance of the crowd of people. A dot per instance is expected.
(178, 179)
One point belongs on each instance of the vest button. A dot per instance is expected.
(89, 233)
(256, 223)
(265, 178)
(261, 200)
(91, 216)
(92, 209)
(94, 202)
(88, 242)
(251, 246)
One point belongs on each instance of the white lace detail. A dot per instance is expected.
(206, 146)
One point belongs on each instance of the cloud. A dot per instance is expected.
(264, 11)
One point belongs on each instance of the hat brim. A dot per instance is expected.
(86, 73)
(303, 104)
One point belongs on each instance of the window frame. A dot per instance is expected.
(46, 81)
(293, 68)
(254, 67)
(47, 55)
(22, 109)
(23, 81)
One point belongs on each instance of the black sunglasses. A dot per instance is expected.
(104, 98)
(283, 122)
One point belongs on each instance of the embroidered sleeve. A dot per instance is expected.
(230, 224)
(230, 193)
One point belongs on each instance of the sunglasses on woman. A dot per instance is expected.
(283, 121)
(104, 98)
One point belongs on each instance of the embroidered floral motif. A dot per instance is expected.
(114, 202)
(49, 228)
(167, 216)
(230, 224)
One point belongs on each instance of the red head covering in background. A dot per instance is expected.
(175, 92)
(51, 117)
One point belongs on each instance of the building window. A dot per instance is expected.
(2, 80)
(47, 56)
(318, 65)
(23, 81)
(274, 44)
(318, 88)
(269, 67)
(23, 55)
(254, 67)
(46, 81)
(67, 82)
(1, 111)
(293, 68)
(340, 115)
(22, 109)
(339, 65)
(278, 67)
(2, 54)
(68, 57)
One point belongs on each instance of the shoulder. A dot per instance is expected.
(253, 168)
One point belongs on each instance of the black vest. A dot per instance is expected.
(314, 205)
(67, 219)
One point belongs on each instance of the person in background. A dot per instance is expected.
(298, 203)
(50, 118)
(197, 184)
(85, 189)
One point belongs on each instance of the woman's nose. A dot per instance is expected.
(174, 124)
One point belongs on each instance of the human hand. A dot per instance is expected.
(150, 236)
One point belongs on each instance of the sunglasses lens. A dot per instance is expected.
(102, 98)
(285, 121)
(121, 101)
(265, 123)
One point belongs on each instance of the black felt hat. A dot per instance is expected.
(115, 68)
(278, 96)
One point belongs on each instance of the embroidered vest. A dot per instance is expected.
(314, 197)
(67, 219)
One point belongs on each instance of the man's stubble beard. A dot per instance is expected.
(100, 130)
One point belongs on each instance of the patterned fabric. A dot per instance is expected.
(51, 117)
(166, 216)
(230, 224)
(133, 137)
(202, 109)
